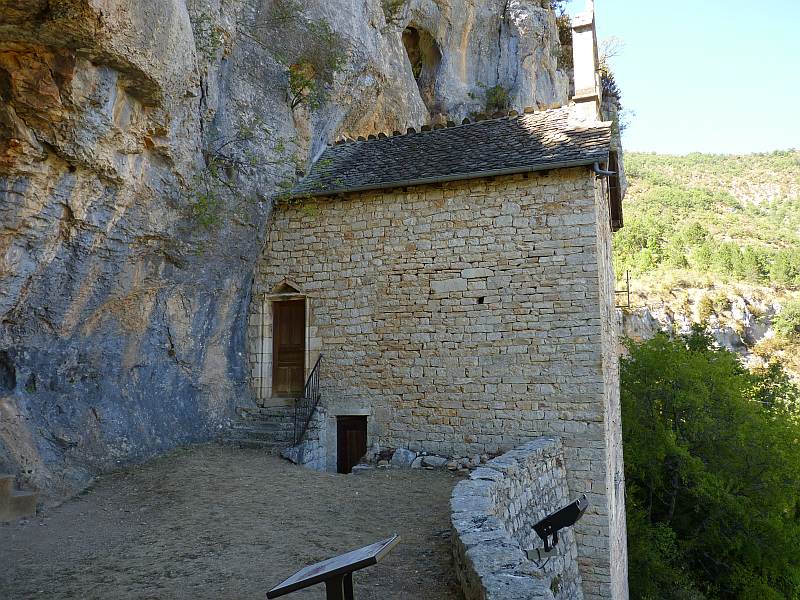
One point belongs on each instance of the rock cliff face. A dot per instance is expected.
(739, 320)
(140, 143)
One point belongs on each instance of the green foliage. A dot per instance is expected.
(555, 584)
(712, 468)
(736, 217)
(301, 85)
(319, 60)
(787, 322)
(564, 26)
(784, 268)
(309, 50)
(497, 99)
(209, 38)
(712, 304)
(208, 200)
(609, 85)
(228, 159)
(392, 10)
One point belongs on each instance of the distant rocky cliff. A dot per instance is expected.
(140, 144)
(739, 318)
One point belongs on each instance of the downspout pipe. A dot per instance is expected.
(600, 172)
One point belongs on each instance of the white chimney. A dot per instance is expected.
(586, 63)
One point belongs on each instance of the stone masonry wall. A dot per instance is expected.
(464, 318)
(493, 514)
(615, 475)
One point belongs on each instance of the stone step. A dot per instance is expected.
(16, 505)
(261, 437)
(261, 417)
(266, 420)
(271, 447)
(266, 423)
(265, 410)
(269, 428)
(265, 427)
(6, 485)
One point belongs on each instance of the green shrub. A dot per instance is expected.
(639, 246)
(497, 99)
(787, 322)
(229, 160)
(564, 27)
(310, 51)
(784, 268)
(705, 308)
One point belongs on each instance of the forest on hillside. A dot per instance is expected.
(712, 468)
(735, 217)
(726, 226)
(712, 460)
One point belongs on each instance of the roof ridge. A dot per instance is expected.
(553, 138)
(431, 127)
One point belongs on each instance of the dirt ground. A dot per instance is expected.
(220, 523)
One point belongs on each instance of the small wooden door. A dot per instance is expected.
(288, 348)
(351, 442)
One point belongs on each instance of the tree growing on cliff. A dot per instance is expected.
(712, 462)
(309, 50)
(229, 159)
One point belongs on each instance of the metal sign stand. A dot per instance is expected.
(339, 588)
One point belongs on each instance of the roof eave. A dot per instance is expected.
(582, 162)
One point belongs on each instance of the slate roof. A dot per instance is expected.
(516, 144)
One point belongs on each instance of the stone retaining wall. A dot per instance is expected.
(312, 451)
(493, 513)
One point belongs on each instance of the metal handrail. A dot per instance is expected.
(305, 406)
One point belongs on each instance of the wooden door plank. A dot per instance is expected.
(288, 353)
(351, 442)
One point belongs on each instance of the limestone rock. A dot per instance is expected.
(403, 457)
(730, 316)
(434, 461)
(124, 296)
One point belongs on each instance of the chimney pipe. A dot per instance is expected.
(586, 63)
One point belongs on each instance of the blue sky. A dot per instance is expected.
(710, 76)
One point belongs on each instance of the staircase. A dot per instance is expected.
(15, 504)
(265, 428)
(276, 428)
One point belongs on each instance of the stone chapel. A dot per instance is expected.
(451, 291)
